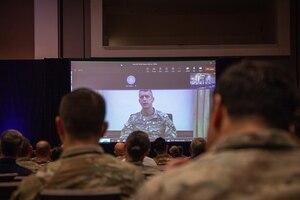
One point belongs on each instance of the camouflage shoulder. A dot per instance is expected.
(29, 188)
(134, 115)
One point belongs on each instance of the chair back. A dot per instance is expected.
(81, 194)
(6, 177)
(7, 188)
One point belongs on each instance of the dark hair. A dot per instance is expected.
(160, 145)
(25, 149)
(82, 112)
(11, 142)
(197, 147)
(137, 144)
(258, 89)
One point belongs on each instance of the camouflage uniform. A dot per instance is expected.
(146, 170)
(33, 166)
(162, 159)
(82, 168)
(251, 166)
(157, 125)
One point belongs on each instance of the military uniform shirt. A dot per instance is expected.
(84, 167)
(162, 159)
(157, 125)
(252, 166)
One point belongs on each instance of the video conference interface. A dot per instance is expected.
(181, 91)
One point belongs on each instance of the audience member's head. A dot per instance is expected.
(137, 146)
(255, 91)
(26, 149)
(43, 149)
(11, 143)
(174, 151)
(197, 147)
(81, 117)
(160, 145)
(119, 149)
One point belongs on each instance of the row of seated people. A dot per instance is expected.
(19, 158)
(252, 151)
(137, 146)
(160, 147)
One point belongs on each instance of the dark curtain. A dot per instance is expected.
(30, 94)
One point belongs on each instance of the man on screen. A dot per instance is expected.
(155, 123)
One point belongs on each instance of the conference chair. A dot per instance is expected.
(81, 194)
(7, 188)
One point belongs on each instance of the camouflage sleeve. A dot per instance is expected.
(28, 189)
(170, 130)
(152, 189)
(128, 127)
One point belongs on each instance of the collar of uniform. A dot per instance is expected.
(152, 116)
(81, 150)
(268, 139)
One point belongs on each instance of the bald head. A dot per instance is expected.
(119, 149)
(42, 149)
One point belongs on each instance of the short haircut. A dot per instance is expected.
(42, 149)
(82, 112)
(160, 145)
(258, 89)
(11, 142)
(197, 147)
(137, 144)
(146, 90)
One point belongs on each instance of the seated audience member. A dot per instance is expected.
(251, 152)
(149, 161)
(176, 151)
(25, 156)
(11, 144)
(83, 163)
(42, 154)
(43, 157)
(26, 152)
(197, 147)
(137, 147)
(119, 150)
(161, 149)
